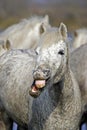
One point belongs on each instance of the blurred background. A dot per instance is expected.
(72, 12)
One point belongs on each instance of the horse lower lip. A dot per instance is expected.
(37, 87)
(34, 92)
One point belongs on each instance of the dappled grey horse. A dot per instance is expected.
(16, 68)
(78, 63)
(58, 106)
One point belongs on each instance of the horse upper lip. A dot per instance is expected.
(41, 73)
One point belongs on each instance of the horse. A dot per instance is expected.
(26, 33)
(58, 103)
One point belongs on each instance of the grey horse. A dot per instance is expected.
(58, 106)
(26, 33)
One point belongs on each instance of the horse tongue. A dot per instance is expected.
(40, 83)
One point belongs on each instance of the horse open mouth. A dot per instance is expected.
(37, 87)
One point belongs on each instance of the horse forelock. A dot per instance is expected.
(51, 37)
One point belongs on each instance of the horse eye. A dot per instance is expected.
(61, 52)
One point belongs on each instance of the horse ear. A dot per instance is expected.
(63, 31)
(75, 33)
(42, 28)
(46, 19)
(4, 46)
(45, 24)
(8, 45)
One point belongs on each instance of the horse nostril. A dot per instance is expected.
(37, 75)
(46, 72)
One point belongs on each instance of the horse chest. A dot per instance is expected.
(54, 118)
(61, 121)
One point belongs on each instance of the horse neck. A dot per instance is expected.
(68, 84)
(63, 88)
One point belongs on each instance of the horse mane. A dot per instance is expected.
(24, 23)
